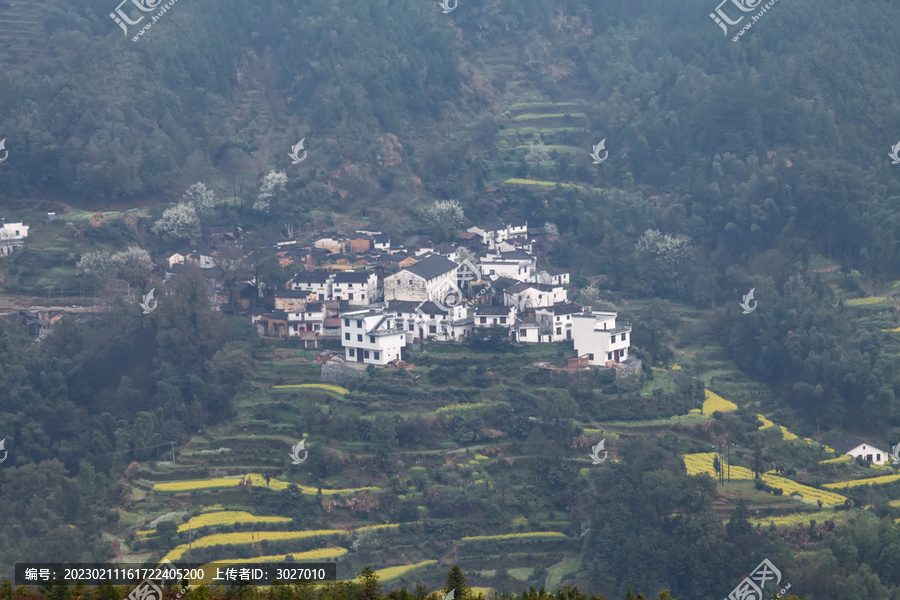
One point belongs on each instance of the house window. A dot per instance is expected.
(377, 356)
(366, 355)
(411, 327)
(350, 297)
(358, 337)
(351, 285)
(503, 319)
(483, 319)
(878, 457)
(492, 272)
(523, 332)
(346, 322)
(590, 357)
(869, 457)
(612, 340)
(359, 323)
(432, 329)
(347, 336)
(371, 339)
(352, 352)
(568, 317)
(623, 337)
(609, 356)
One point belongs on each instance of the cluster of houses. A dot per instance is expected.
(377, 299)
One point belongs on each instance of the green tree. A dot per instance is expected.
(370, 585)
(456, 580)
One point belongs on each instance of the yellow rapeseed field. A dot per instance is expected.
(716, 402)
(839, 459)
(247, 537)
(864, 301)
(541, 535)
(796, 519)
(225, 517)
(857, 482)
(600, 433)
(378, 527)
(702, 462)
(258, 481)
(314, 386)
(765, 422)
(395, 572)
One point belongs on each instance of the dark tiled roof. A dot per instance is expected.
(565, 309)
(492, 310)
(351, 277)
(432, 267)
(430, 308)
(291, 294)
(402, 306)
(311, 277)
(518, 222)
(313, 307)
(847, 443)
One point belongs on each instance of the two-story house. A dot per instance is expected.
(12, 235)
(368, 337)
(516, 265)
(309, 318)
(422, 280)
(359, 289)
(556, 321)
(599, 337)
(496, 232)
(316, 282)
(533, 295)
(490, 316)
(443, 324)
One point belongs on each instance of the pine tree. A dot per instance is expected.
(370, 585)
(456, 580)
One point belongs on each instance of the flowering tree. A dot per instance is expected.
(179, 222)
(551, 230)
(665, 247)
(537, 154)
(273, 183)
(202, 199)
(444, 218)
(132, 265)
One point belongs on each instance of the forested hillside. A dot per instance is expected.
(761, 163)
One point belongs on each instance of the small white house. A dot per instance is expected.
(315, 282)
(368, 337)
(533, 295)
(309, 318)
(490, 316)
(421, 281)
(600, 338)
(12, 235)
(556, 320)
(854, 446)
(518, 265)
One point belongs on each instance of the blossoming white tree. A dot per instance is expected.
(444, 217)
(179, 222)
(273, 183)
(201, 198)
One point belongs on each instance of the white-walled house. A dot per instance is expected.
(421, 281)
(316, 282)
(442, 324)
(854, 446)
(556, 320)
(600, 338)
(359, 289)
(12, 235)
(495, 232)
(490, 316)
(534, 295)
(309, 318)
(368, 337)
(516, 265)
(552, 276)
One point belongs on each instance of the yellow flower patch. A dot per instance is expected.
(796, 519)
(532, 535)
(716, 402)
(839, 459)
(378, 527)
(227, 517)
(765, 422)
(858, 482)
(247, 537)
(258, 481)
(400, 571)
(465, 408)
(314, 386)
(600, 433)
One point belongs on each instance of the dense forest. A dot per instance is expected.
(732, 166)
